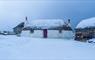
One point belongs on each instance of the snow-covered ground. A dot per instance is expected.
(29, 48)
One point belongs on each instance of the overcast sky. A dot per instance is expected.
(12, 11)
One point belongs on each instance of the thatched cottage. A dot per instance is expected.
(44, 28)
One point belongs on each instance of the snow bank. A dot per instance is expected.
(87, 23)
(46, 23)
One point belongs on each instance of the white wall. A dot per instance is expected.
(51, 34)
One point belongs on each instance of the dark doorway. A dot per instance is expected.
(45, 33)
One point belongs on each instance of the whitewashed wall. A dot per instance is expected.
(51, 34)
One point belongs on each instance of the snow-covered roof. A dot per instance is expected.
(87, 23)
(8, 25)
(46, 23)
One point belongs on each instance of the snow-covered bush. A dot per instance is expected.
(91, 41)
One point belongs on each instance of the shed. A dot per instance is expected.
(85, 30)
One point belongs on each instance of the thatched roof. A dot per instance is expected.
(87, 23)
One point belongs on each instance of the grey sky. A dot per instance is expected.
(15, 10)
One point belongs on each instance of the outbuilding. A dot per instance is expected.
(85, 30)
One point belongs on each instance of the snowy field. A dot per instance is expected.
(28, 48)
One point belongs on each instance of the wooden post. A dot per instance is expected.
(45, 33)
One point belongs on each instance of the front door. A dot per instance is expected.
(45, 33)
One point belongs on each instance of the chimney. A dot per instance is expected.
(69, 21)
(26, 21)
(26, 18)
